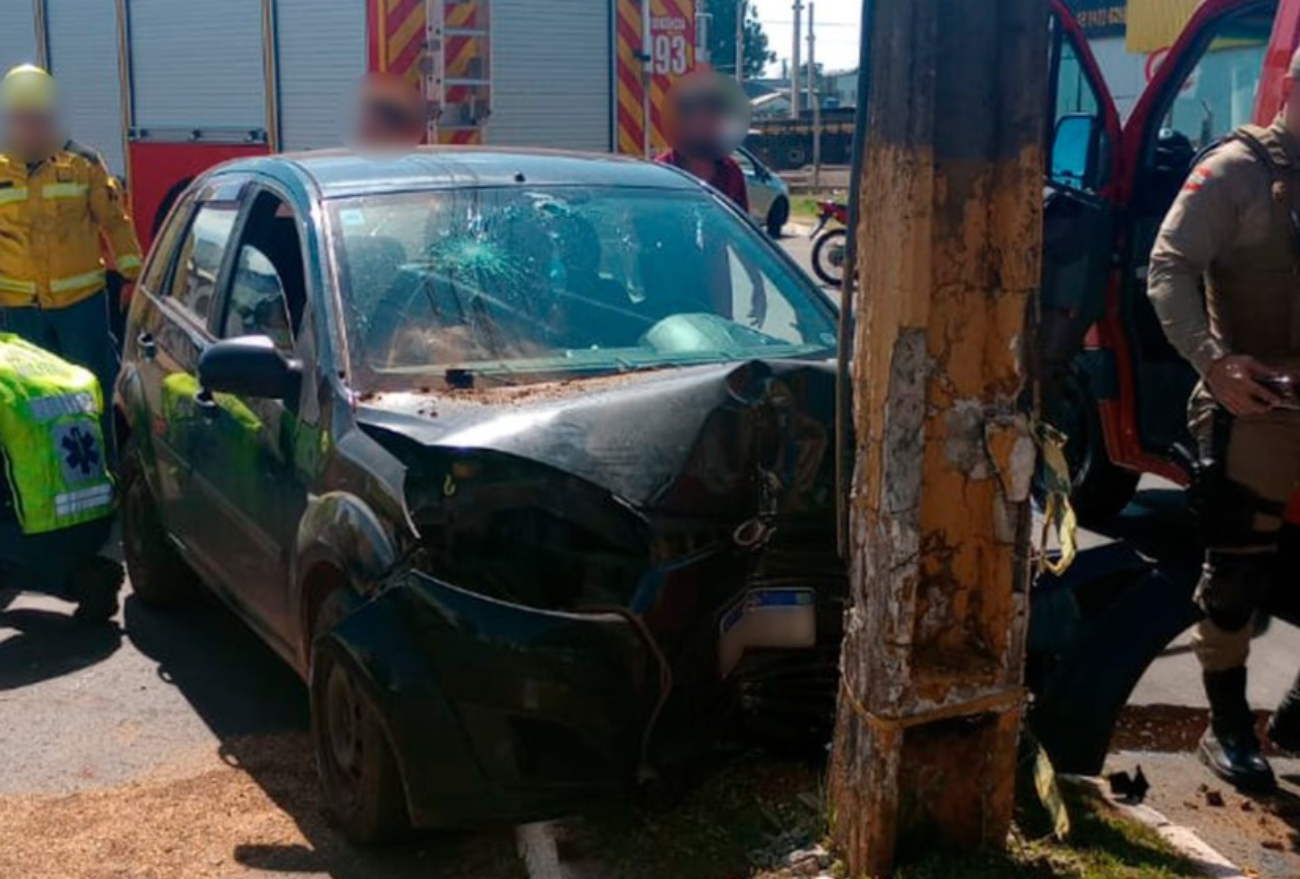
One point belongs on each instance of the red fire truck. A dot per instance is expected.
(166, 88)
(1124, 401)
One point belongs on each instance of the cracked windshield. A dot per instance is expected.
(524, 284)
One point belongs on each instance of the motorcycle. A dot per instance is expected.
(828, 251)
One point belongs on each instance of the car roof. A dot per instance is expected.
(341, 173)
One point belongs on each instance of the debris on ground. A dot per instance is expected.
(1259, 833)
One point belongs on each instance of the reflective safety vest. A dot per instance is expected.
(53, 444)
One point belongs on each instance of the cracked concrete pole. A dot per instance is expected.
(950, 248)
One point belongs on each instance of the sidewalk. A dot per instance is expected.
(1259, 834)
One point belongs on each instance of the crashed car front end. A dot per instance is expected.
(608, 576)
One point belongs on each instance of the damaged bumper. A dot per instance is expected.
(498, 712)
(503, 713)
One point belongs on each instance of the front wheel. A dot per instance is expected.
(828, 256)
(359, 776)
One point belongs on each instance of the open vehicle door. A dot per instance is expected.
(1096, 630)
(1081, 221)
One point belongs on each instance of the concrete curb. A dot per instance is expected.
(1184, 840)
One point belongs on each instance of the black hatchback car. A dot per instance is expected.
(524, 461)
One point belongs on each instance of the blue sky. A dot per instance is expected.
(838, 30)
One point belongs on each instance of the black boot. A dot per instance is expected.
(1230, 747)
(94, 585)
(1284, 726)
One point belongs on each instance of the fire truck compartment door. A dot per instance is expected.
(197, 66)
(322, 58)
(551, 69)
(18, 36)
(84, 56)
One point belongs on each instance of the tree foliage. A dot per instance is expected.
(722, 39)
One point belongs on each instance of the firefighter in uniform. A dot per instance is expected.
(56, 201)
(1224, 279)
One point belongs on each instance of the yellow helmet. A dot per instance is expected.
(28, 87)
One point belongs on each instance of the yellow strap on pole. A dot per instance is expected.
(1058, 515)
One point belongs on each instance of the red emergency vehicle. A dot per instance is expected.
(167, 88)
(1123, 400)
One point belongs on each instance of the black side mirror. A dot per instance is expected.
(1076, 151)
(250, 366)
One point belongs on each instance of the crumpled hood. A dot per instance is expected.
(691, 440)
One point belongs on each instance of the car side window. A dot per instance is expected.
(1080, 147)
(164, 251)
(268, 292)
(745, 164)
(194, 283)
(258, 306)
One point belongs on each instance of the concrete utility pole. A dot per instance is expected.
(795, 60)
(950, 242)
(815, 97)
(741, 8)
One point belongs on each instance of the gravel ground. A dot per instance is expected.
(174, 747)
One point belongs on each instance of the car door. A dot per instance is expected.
(250, 469)
(1081, 204)
(180, 289)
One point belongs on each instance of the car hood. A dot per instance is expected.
(670, 439)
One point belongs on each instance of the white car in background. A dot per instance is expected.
(769, 196)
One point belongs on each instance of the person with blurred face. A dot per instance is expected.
(1224, 278)
(708, 117)
(57, 198)
(390, 114)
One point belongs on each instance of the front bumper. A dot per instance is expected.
(500, 713)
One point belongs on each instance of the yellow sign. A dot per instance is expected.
(1155, 24)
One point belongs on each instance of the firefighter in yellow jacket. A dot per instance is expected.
(56, 201)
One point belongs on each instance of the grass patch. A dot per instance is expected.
(745, 818)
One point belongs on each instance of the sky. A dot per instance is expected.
(838, 29)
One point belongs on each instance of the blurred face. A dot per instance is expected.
(708, 116)
(701, 125)
(31, 134)
(386, 122)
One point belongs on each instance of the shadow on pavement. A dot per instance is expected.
(42, 645)
(257, 707)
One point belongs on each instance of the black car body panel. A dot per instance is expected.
(584, 544)
(543, 573)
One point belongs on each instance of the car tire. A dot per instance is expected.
(160, 578)
(777, 216)
(1100, 490)
(359, 776)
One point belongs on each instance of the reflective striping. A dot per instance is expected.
(64, 190)
(128, 262)
(70, 503)
(78, 281)
(50, 408)
(13, 194)
(13, 285)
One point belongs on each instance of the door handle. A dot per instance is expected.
(148, 347)
(207, 404)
